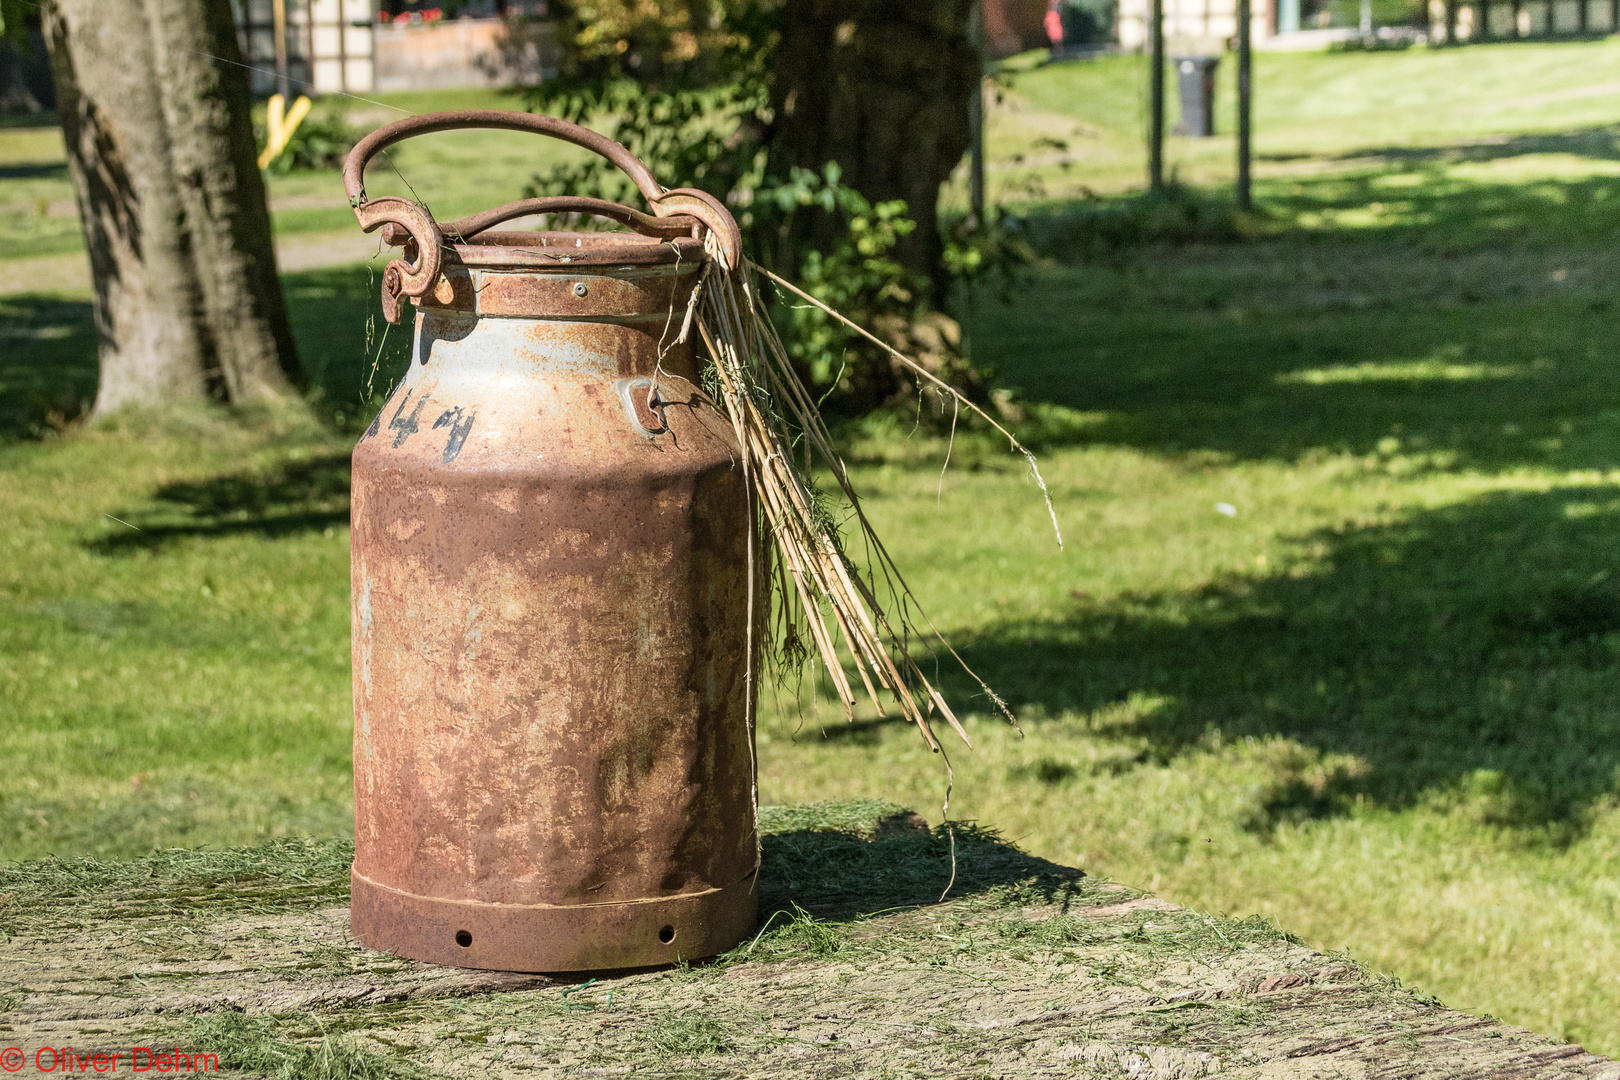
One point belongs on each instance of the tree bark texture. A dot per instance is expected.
(155, 112)
(883, 89)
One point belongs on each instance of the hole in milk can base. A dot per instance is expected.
(463, 938)
(667, 934)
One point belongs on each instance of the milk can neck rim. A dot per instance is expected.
(558, 251)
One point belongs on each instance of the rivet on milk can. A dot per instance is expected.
(553, 755)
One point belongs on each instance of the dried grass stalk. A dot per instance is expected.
(822, 592)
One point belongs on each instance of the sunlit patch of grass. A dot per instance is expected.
(1399, 371)
(1314, 112)
(1536, 168)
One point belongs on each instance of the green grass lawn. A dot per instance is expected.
(456, 173)
(1377, 700)
(1065, 129)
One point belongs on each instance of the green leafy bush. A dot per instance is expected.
(320, 143)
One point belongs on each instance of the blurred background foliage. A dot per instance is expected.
(692, 88)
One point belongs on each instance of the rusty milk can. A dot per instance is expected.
(553, 760)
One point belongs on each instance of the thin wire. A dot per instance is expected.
(384, 154)
(309, 85)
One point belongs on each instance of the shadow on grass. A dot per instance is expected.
(1420, 207)
(841, 860)
(1600, 142)
(1468, 323)
(1467, 657)
(33, 171)
(348, 353)
(351, 358)
(295, 497)
(45, 118)
(1463, 655)
(47, 363)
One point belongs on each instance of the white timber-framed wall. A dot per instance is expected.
(343, 44)
(1202, 26)
(1504, 20)
(331, 44)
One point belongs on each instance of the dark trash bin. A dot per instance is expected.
(1195, 77)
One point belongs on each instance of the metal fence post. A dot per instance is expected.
(1245, 89)
(1156, 97)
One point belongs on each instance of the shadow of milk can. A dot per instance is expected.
(1195, 79)
(553, 746)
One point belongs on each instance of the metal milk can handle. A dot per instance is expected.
(680, 212)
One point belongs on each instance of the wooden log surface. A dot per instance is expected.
(1029, 969)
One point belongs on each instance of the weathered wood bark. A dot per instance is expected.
(160, 148)
(882, 89)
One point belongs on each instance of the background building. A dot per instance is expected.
(361, 46)
(1193, 26)
(329, 45)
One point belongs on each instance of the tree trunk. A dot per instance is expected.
(160, 147)
(882, 89)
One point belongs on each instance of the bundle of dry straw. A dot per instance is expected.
(821, 591)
